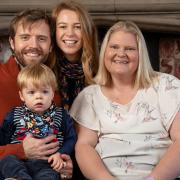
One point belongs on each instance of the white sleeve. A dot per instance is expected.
(83, 112)
(169, 98)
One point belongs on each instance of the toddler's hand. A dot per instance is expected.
(56, 162)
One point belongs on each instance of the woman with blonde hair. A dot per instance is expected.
(128, 124)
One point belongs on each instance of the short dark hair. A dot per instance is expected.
(29, 16)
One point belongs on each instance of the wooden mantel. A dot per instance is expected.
(152, 15)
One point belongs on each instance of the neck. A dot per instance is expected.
(20, 66)
(120, 91)
(73, 58)
(122, 83)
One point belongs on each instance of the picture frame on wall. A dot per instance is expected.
(169, 55)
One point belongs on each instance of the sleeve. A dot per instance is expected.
(69, 134)
(83, 110)
(169, 99)
(6, 131)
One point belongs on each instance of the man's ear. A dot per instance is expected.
(11, 42)
(21, 96)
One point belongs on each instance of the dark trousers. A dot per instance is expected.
(12, 167)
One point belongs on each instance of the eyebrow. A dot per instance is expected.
(26, 34)
(64, 23)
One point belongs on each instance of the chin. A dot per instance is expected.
(29, 62)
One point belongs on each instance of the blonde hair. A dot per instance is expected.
(38, 74)
(90, 53)
(145, 75)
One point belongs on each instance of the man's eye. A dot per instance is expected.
(24, 37)
(42, 38)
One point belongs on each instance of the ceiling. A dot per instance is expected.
(152, 15)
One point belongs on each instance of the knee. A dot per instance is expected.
(9, 158)
(10, 161)
(47, 174)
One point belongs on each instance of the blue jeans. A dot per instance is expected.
(10, 166)
(1, 176)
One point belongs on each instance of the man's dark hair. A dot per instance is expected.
(29, 16)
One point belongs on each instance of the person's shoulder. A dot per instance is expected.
(167, 77)
(10, 61)
(15, 112)
(168, 81)
(61, 113)
(9, 65)
(88, 93)
(59, 109)
(18, 110)
(90, 89)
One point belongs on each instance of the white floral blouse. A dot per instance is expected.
(132, 137)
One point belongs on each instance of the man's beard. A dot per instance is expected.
(19, 55)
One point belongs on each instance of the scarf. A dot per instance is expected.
(71, 80)
(39, 125)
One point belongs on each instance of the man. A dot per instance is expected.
(30, 40)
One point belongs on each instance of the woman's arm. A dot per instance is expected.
(169, 166)
(88, 159)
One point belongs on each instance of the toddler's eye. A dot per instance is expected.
(45, 91)
(30, 92)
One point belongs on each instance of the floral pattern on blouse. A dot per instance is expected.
(132, 137)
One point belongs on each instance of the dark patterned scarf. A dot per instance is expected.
(39, 125)
(71, 80)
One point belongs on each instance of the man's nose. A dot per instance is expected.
(34, 42)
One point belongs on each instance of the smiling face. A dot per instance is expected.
(69, 34)
(121, 54)
(37, 99)
(32, 43)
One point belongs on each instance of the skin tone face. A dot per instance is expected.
(32, 43)
(121, 55)
(37, 99)
(68, 34)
